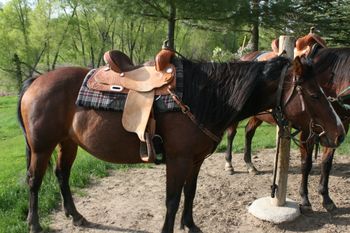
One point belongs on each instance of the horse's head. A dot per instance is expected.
(307, 107)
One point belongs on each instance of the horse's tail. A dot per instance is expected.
(25, 86)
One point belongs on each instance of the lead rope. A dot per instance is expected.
(274, 186)
(281, 122)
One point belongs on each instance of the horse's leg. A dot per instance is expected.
(250, 129)
(66, 155)
(306, 166)
(326, 166)
(190, 192)
(176, 173)
(35, 174)
(231, 133)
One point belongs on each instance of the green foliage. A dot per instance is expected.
(220, 55)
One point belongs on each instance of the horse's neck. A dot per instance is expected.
(264, 97)
(332, 70)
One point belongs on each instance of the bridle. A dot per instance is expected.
(278, 114)
(283, 123)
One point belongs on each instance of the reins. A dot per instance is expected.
(186, 110)
(341, 98)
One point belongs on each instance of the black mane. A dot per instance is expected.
(337, 60)
(217, 92)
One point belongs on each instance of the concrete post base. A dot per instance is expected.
(263, 209)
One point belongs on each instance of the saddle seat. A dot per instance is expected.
(141, 84)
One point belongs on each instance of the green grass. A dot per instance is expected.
(8, 84)
(264, 138)
(13, 189)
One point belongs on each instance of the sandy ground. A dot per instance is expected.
(133, 200)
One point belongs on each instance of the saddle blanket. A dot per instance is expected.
(111, 101)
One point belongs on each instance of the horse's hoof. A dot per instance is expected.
(330, 207)
(305, 209)
(194, 229)
(81, 222)
(229, 169)
(253, 171)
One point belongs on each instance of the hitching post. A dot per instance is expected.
(286, 46)
(279, 209)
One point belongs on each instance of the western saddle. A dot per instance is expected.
(304, 45)
(141, 84)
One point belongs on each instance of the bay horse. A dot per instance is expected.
(262, 55)
(217, 94)
(333, 74)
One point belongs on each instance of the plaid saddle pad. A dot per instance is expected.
(111, 101)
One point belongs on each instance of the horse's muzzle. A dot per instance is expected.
(327, 142)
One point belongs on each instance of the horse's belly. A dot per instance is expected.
(102, 135)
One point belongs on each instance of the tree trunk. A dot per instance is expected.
(171, 24)
(18, 73)
(255, 25)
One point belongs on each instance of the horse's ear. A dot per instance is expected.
(297, 66)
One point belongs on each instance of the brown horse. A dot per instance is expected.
(261, 55)
(217, 94)
(332, 72)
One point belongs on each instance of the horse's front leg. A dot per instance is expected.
(176, 173)
(306, 166)
(66, 155)
(326, 166)
(190, 192)
(250, 129)
(231, 133)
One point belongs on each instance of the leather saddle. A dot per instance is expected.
(141, 84)
(304, 45)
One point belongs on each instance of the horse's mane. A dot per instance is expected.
(217, 92)
(335, 59)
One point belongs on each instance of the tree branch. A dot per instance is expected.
(157, 7)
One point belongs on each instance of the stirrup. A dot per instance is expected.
(159, 149)
(147, 152)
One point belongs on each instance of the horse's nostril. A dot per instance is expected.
(341, 138)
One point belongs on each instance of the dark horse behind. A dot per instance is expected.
(332, 71)
(217, 94)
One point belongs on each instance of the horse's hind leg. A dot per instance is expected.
(326, 166)
(36, 170)
(250, 129)
(231, 133)
(67, 151)
(189, 192)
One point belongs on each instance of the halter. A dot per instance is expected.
(282, 122)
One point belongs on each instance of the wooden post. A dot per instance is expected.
(279, 209)
(286, 44)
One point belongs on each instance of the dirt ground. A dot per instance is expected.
(133, 200)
